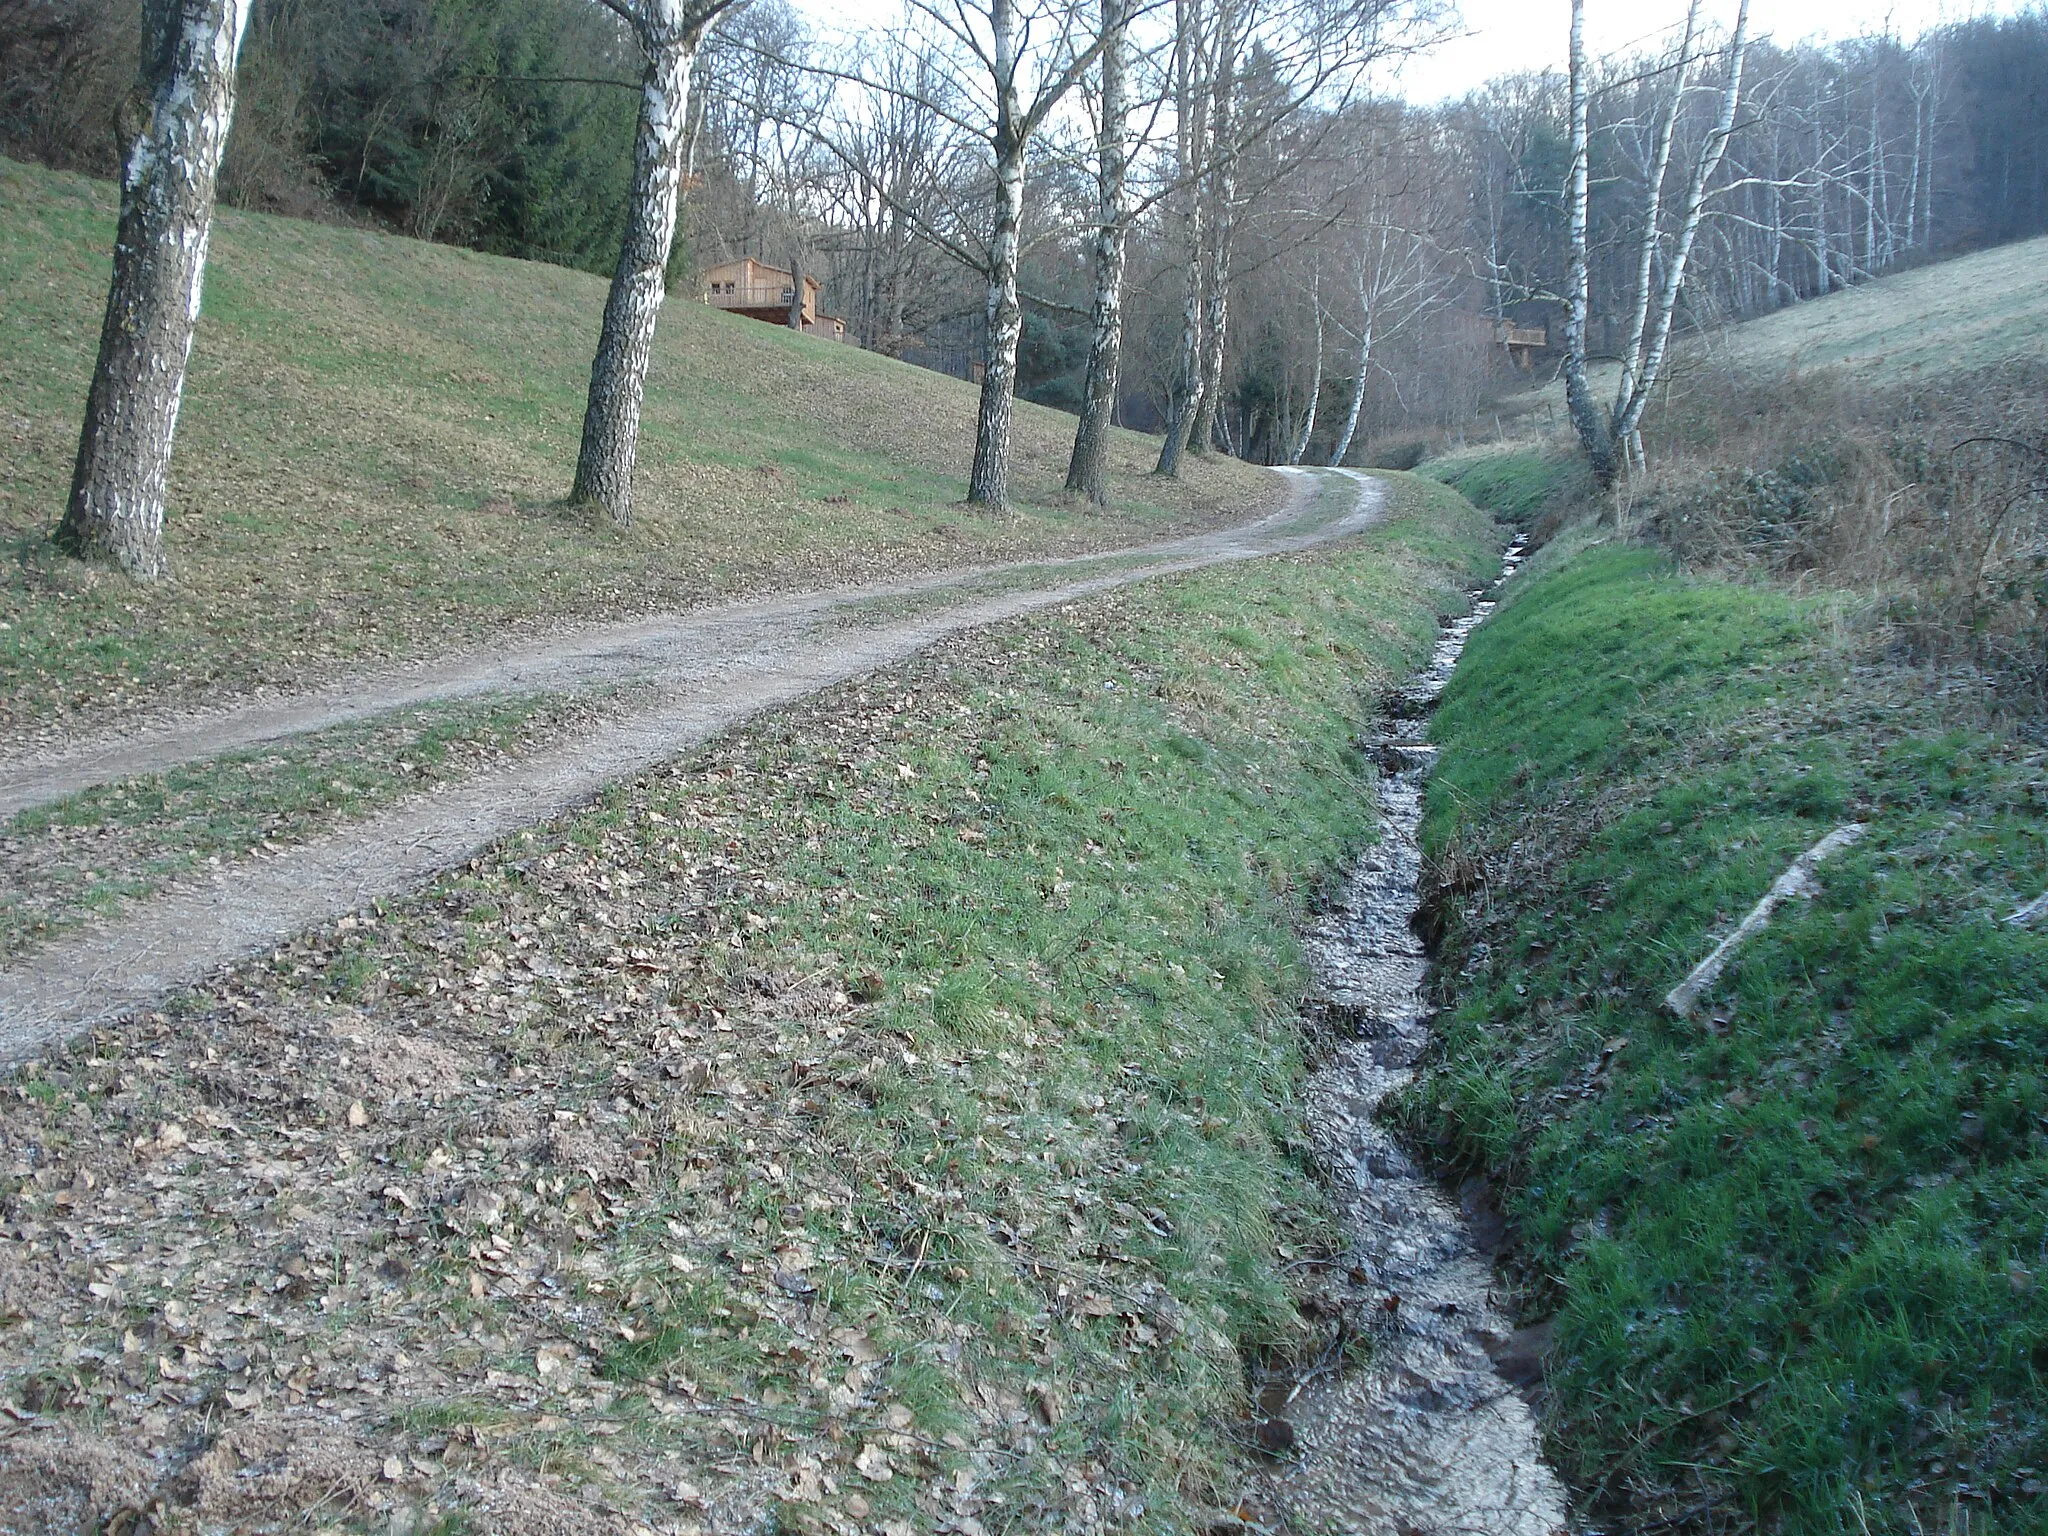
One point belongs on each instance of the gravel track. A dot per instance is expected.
(710, 671)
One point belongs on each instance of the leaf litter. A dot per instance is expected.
(622, 1183)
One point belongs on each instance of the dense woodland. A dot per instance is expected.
(1333, 265)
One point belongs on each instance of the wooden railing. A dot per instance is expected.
(752, 295)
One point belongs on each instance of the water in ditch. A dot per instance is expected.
(1427, 1437)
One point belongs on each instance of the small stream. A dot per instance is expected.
(1426, 1438)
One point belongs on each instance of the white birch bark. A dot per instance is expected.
(1087, 469)
(1653, 215)
(668, 33)
(185, 99)
(1222, 229)
(1315, 381)
(1357, 405)
(988, 485)
(1823, 261)
(1191, 131)
(1587, 419)
(1630, 417)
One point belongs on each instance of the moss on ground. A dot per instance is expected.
(1796, 1249)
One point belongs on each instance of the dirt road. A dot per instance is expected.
(708, 672)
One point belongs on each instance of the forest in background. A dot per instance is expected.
(1373, 252)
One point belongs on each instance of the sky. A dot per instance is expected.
(1504, 36)
(1499, 37)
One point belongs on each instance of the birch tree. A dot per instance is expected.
(1307, 59)
(1087, 468)
(1049, 71)
(1012, 65)
(1222, 229)
(1299, 448)
(1610, 434)
(668, 33)
(1400, 275)
(175, 126)
(1191, 72)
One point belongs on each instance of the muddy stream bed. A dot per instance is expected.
(1427, 1437)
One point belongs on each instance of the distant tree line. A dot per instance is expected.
(1190, 216)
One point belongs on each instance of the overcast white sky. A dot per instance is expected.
(1500, 36)
(1506, 35)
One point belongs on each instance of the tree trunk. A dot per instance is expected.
(1824, 276)
(796, 290)
(1629, 421)
(1215, 317)
(1088, 468)
(1653, 220)
(1587, 419)
(186, 89)
(618, 374)
(1191, 132)
(1187, 389)
(989, 483)
(1222, 223)
(1315, 381)
(1344, 437)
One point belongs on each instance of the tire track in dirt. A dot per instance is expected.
(668, 649)
(780, 654)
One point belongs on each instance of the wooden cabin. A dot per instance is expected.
(761, 292)
(1524, 343)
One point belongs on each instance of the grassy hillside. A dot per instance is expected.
(1910, 328)
(1796, 1248)
(1950, 317)
(884, 1120)
(377, 431)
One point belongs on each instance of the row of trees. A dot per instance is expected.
(1189, 215)
(1290, 269)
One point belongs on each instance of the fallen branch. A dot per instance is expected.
(1796, 881)
(2029, 912)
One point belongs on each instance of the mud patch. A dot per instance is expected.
(1429, 1436)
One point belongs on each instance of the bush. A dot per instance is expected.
(1935, 497)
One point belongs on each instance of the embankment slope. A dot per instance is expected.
(1794, 1249)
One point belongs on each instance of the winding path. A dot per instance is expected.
(709, 671)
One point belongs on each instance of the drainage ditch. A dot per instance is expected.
(1427, 1435)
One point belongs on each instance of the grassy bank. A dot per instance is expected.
(86, 855)
(1522, 486)
(377, 433)
(1795, 1250)
(882, 1120)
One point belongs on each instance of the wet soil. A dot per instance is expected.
(1429, 1436)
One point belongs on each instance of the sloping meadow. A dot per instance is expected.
(883, 1120)
(1794, 1249)
(377, 434)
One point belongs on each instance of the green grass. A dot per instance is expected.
(377, 433)
(1518, 486)
(1796, 1249)
(86, 854)
(966, 993)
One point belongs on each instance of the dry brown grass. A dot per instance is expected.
(1932, 496)
(377, 433)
